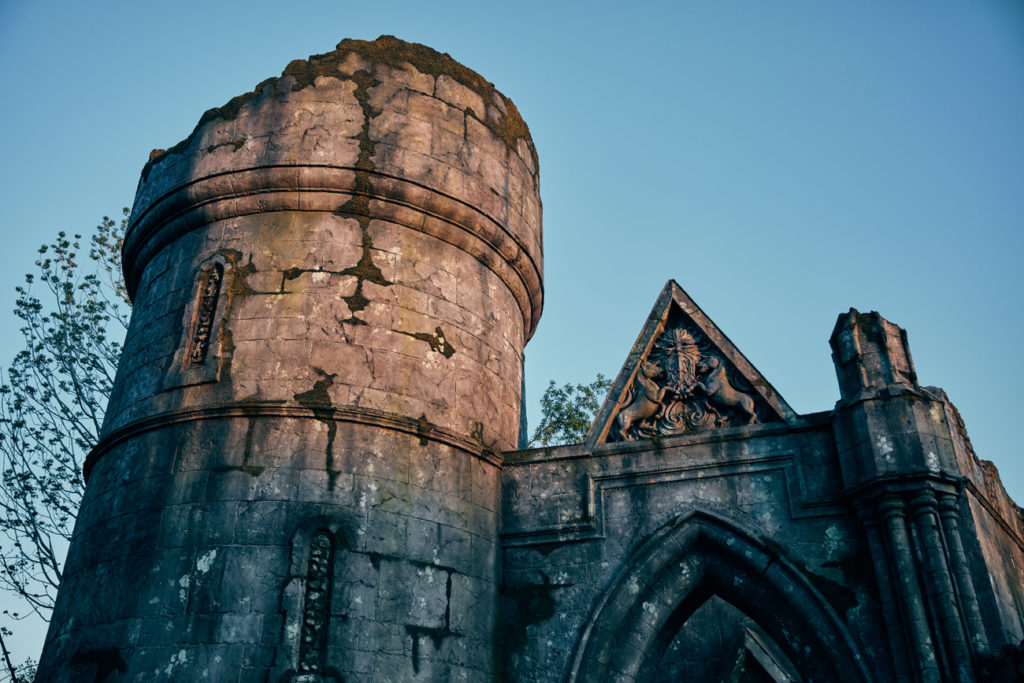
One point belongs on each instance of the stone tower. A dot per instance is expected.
(306, 474)
(334, 277)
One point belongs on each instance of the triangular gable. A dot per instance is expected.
(682, 376)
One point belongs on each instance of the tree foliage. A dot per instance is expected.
(21, 673)
(74, 313)
(567, 412)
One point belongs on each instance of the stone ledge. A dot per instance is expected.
(423, 431)
(327, 189)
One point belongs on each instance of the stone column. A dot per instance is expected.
(334, 277)
(896, 446)
(927, 665)
(949, 513)
(939, 584)
(890, 604)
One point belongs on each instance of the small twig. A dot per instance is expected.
(7, 659)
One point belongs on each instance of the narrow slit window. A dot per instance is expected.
(205, 310)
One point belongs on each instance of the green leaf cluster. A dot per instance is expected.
(74, 314)
(567, 411)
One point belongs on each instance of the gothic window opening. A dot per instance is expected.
(316, 605)
(205, 310)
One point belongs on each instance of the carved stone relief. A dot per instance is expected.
(205, 310)
(683, 386)
(200, 356)
(313, 637)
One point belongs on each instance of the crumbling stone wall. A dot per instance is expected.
(719, 536)
(578, 524)
(305, 473)
(334, 277)
(995, 540)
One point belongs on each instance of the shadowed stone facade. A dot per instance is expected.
(719, 536)
(307, 469)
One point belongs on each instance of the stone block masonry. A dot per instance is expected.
(306, 476)
(333, 278)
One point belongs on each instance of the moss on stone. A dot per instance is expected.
(437, 341)
(318, 400)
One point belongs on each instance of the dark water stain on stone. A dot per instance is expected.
(437, 341)
(252, 470)
(319, 401)
(107, 661)
(436, 634)
(423, 429)
(529, 603)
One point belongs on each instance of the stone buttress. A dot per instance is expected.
(333, 279)
(903, 467)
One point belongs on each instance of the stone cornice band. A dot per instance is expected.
(365, 416)
(265, 189)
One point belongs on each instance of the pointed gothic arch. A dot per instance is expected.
(694, 556)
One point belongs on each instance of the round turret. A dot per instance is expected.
(376, 216)
(333, 277)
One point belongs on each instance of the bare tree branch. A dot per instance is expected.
(74, 312)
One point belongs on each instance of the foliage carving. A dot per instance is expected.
(205, 310)
(313, 638)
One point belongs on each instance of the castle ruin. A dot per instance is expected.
(308, 470)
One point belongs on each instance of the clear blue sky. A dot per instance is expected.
(782, 161)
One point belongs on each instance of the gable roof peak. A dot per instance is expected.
(683, 375)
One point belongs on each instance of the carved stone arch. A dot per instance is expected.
(308, 601)
(200, 351)
(697, 555)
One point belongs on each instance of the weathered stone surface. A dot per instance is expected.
(299, 470)
(304, 473)
(864, 544)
